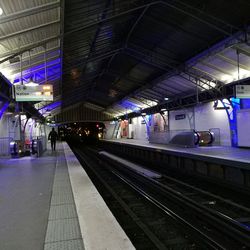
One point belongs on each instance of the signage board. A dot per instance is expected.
(180, 117)
(242, 91)
(26, 93)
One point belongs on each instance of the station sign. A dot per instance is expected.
(26, 93)
(243, 91)
(180, 117)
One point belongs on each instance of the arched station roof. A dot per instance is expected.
(116, 57)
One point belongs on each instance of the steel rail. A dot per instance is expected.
(230, 227)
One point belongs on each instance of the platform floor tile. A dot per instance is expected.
(62, 176)
(62, 183)
(57, 188)
(65, 245)
(62, 198)
(63, 230)
(62, 212)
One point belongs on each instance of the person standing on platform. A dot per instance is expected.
(53, 137)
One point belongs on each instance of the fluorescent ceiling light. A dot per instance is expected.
(166, 98)
(1, 11)
(31, 84)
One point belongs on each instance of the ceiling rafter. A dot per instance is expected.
(148, 97)
(167, 90)
(45, 25)
(216, 68)
(232, 62)
(154, 92)
(30, 11)
(241, 50)
(36, 64)
(17, 51)
(198, 12)
(33, 55)
(126, 27)
(135, 24)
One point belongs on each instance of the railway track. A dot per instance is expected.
(202, 220)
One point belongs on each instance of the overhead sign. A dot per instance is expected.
(26, 93)
(243, 91)
(180, 117)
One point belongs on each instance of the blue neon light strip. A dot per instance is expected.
(53, 68)
(5, 106)
(50, 107)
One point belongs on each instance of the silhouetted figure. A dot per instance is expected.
(53, 137)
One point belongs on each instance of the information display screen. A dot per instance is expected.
(26, 93)
(243, 91)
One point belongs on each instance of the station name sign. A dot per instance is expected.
(243, 91)
(26, 93)
(180, 117)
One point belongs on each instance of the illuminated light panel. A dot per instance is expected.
(212, 84)
(1, 11)
(31, 84)
(242, 74)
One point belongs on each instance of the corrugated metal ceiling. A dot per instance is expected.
(24, 57)
(121, 56)
(151, 50)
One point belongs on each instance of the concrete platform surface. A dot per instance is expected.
(25, 192)
(49, 203)
(238, 155)
(99, 228)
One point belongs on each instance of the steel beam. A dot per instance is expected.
(35, 64)
(148, 95)
(110, 18)
(15, 52)
(31, 56)
(241, 50)
(31, 11)
(28, 30)
(94, 59)
(196, 16)
(227, 91)
(232, 62)
(135, 24)
(154, 92)
(215, 68)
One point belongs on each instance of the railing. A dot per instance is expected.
(5, 146)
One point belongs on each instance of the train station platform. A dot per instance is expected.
(49, 203)
(226, 164)
(217, 153)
